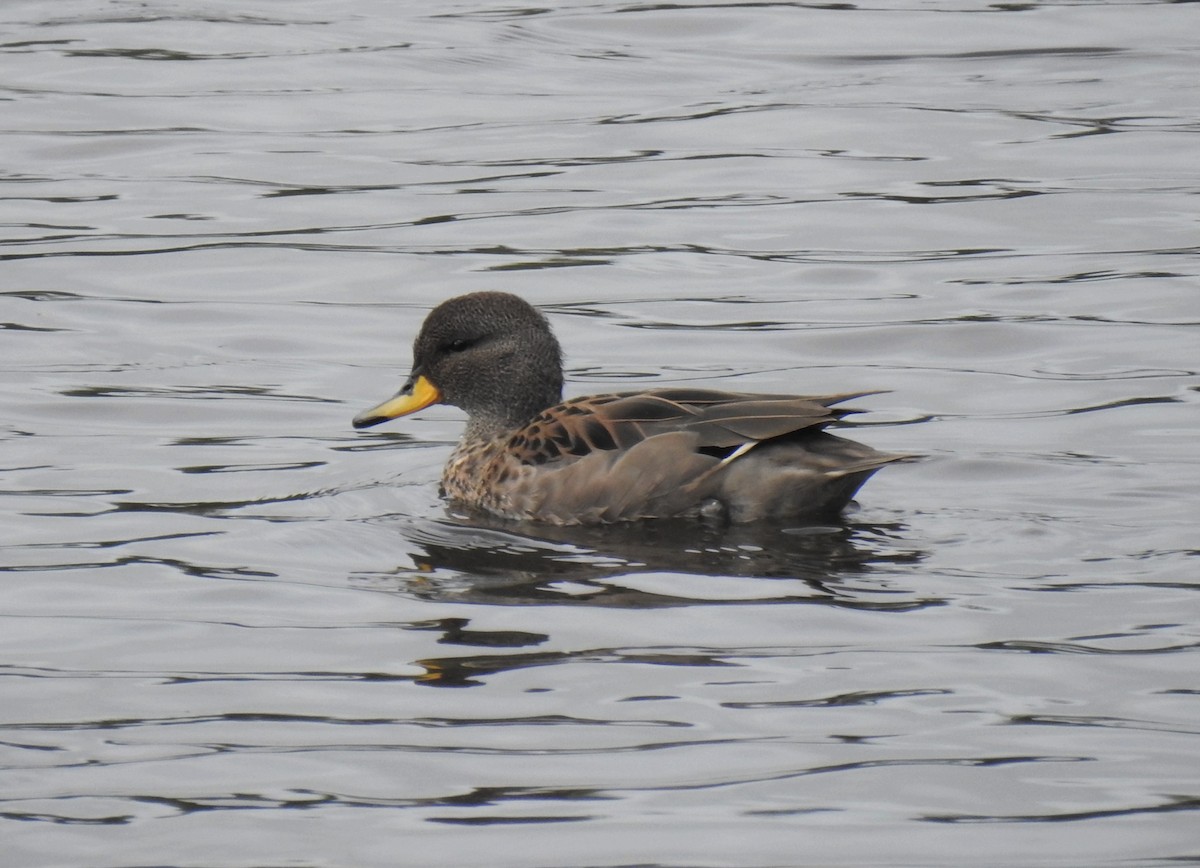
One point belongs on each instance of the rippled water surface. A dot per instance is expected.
(234, 632)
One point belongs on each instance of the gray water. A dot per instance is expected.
(234, 632)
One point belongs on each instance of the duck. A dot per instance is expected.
(528, 455)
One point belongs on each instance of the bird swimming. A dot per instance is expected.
(528, 455)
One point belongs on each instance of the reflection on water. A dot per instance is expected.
(221, 611)
(633, 565)
(654, 565)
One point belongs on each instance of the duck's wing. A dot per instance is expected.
(609, 458)
(719, 420)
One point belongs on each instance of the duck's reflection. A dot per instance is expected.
(469, 559)
(657, 564)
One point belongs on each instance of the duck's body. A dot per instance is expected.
(527, 455)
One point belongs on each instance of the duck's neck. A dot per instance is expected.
(517, 410)
(517, 389)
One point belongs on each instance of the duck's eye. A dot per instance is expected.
(457, 346)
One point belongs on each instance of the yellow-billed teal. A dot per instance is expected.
(528, 455)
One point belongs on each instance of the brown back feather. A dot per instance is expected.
(722, 420)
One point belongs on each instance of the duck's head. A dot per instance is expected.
(489, 353)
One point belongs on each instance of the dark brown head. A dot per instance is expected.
(491, 354)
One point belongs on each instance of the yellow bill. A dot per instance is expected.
(420, 395)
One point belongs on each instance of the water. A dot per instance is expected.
(234, 632)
